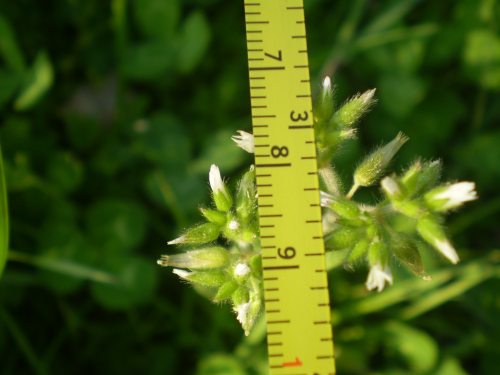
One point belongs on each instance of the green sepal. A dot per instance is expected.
(225, 291)
(214, 216)
(358, 252)
(212, 278)
(202, 233)
(240, 295)
(405, 249)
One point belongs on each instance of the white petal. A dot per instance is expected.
(447, 250)
(215, 179)
(377, 277)
(245, 141)
(177, 240)
(183, 274)
(458, 193)
(241, 269)
(390, 186)
(242, 312)
(327, 84)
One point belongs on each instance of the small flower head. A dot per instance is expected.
(378, 276)
(245, 141)
(452, 196)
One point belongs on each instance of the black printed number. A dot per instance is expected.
(286, 253)
(298, 116)
(279, 152)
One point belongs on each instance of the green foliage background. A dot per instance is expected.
(111, 113)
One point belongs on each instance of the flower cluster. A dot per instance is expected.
(409, 215)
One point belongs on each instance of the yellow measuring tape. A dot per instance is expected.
(295, 281)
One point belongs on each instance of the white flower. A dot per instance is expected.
(378, 276)
(241, 269)
(456, 194)
(327, 84)
(233, 225)
(390, 186)
(245, 141)
(183, 274)
(242, 313)
(215, 179)
(447, 250)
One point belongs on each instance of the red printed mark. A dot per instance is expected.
(297, 362)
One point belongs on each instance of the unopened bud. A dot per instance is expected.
(372, 168)
(324, 105)
(246, 202)
(354, 109)
(221, 196)
(406, 250)
(391, 187)
(343, 207)
(358, 252)
(210, 257)
(421, 177)
(199, 234)
(342, 237)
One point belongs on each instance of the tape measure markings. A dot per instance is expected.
(295, 282)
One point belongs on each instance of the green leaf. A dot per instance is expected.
(4, 218)
(416, 348)
(157, 18)
(194, 40)
(40, 80)
(147, 61)
(482, 57)
(9, 48)
(116, 226)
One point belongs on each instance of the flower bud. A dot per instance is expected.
(432, 232)
(324, 105)
(221, 196)
(198, 234)
(343, 207)
(212, 278)
(342, 237)
(447, 197)
(349, 113)
(245, 141)
(358, 252)
(241, 270)
(372, 168)
(421, 177)
(377, 253)
(207, 258)
(214, 216)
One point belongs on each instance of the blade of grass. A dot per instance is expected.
(4, 218)
(64, 267)
(22, 342)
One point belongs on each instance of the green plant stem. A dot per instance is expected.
(353, 190)
(63, 266)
